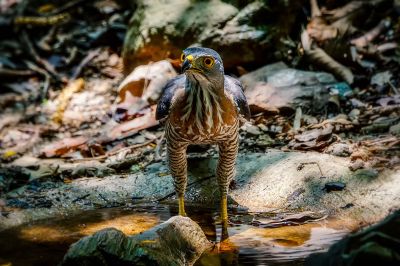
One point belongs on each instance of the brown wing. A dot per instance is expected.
(169, 90)
(234, 88)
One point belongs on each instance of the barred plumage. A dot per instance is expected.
(203, 106)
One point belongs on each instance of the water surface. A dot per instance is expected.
(45, 242)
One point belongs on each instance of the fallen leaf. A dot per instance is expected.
(130, 128)
(63, 146)
(65, 96)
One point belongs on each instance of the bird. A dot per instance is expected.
(202, 106)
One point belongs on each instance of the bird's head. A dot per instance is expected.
(203, 65)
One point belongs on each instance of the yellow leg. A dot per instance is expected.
(182, 206)
(224, 218)
(224, 209)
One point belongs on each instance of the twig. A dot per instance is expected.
(368, 37)
(386, 47)
(315, 11)
(301, 165)
(67, 6)
(42, 21)
(46, 75)
(135, 146)
(320, 57)
(297, 119)
(91, 55)
(13, 73)
(40, 61)
(396, 91)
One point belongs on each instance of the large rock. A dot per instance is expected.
(277, 88)
(377, 245)
(264, 181)
(178, 241)
(161, 29)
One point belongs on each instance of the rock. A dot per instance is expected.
(178, 241)
(251, 129)
(309, 120)
(381, 78)
(377, 245)
(150, 38)
(354, 114)
(357, 164)
(334, 186)
(264, 181)
(214, 24)
(264, 141)
(339, 149)
(277, 88)
(395, 129)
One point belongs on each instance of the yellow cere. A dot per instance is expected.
(189, 58)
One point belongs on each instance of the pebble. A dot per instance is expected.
(334, 186)
(339, 149)
(358, 164)
(253, 130)
(354, 114)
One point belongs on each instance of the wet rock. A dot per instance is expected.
(264, 181)
(277, 88)
(339, 149)
(91, 170)
(377, 245)
(178, 241)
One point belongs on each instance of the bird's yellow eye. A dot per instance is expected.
(183, 57)
(208, 62)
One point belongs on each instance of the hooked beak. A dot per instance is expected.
(188, 64)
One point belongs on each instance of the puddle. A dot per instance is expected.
(46, 242)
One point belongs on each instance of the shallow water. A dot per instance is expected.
(46, 242)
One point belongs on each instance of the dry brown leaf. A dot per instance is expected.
(129, 128)
(147, 81)
(63, 146)
(64, 97)
(360, 153)
(320, 31)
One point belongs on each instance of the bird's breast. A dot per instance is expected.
(199, 119)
